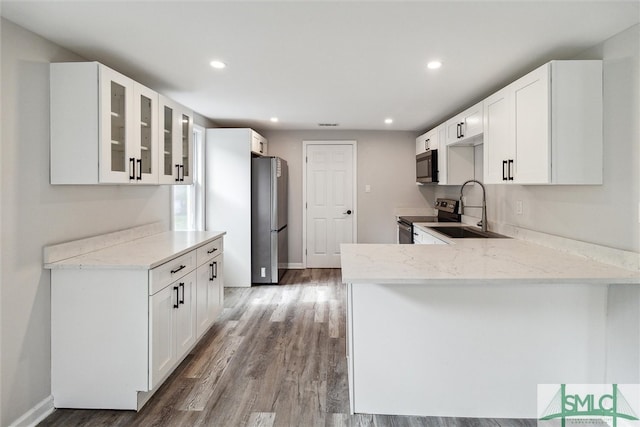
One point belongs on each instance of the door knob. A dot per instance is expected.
(348, 212)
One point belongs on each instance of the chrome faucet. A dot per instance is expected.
(483, 221)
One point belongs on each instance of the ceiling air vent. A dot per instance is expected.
(328, 124)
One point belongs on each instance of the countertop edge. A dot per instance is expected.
(69, 264)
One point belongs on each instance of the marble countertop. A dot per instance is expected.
(141, 253)
(474, 261)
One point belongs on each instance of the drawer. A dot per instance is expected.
(208, 251)
(170, 271)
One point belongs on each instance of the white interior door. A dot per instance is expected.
(330, 202)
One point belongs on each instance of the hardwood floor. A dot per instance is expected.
(275, 357)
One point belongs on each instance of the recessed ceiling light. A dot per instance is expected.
(219, 65)
(274, 119)
(434, 65)
(388, 121)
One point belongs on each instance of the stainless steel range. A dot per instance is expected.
(447, 212)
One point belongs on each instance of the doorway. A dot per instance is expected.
(329, 201)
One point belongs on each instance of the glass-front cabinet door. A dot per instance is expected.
(176, 141)
(145, 142)
(168, 162)
(186, 148)
(116, 98)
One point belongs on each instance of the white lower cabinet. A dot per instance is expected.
(422, 237)
(210, 286)
(118, 333)
(172, 320)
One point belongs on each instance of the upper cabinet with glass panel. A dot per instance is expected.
(109, 129)
(176, 128)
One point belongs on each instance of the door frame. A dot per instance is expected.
(305, 144)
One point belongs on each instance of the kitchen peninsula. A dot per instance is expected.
(471, 328)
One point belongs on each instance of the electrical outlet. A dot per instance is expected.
(263, 272)
(519, 207)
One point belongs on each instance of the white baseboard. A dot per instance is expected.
(36, 414)
(295, 266)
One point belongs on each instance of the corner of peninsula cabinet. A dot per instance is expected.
(126, 309)
(470, 329)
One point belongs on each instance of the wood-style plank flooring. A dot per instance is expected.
(275, 357)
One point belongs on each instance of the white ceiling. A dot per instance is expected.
(309, 62)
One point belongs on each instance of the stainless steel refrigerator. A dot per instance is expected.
(269, 248)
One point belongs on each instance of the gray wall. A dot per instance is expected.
(35, 214)
(386, 162)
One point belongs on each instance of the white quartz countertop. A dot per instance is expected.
(142, 253)
(474, 261)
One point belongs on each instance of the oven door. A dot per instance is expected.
(427, 166)
(405, 233)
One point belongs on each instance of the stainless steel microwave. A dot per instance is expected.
(427, 166)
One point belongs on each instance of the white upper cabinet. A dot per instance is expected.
(108, 129)
(546, 127)
(145, 145)
(259, 144)
(466, 126)
(427, 141)
(176, 130)
(498, 129)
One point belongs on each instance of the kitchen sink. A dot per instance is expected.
(467, 233)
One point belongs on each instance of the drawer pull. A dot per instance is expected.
(178, 269)
(212, 250)
(175, 288)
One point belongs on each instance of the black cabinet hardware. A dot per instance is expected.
(462, 130)
(181, 285)
(261, 147)
(504, 170)
(178, 269)
(215, 269)
(177, 173)
(181, 176)
(139, 177)
(132, 168)
(212, 250)
(510, 169)
(175, 288)
(211, 275)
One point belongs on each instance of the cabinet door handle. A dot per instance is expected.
(178, 269)
(132, 168)
(177, 173)
(212, 250)
(462, 130)
(211, 275)
(261, 146)
(504, 170)
(181, 176)
(139, 177)
(181, 285)
(458, 130)
(176, 305)
(426, 144)
(510, 169)
(215, 269)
